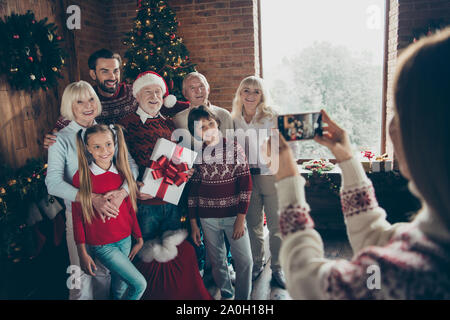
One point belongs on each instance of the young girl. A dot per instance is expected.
(219, 195)
(109, 241)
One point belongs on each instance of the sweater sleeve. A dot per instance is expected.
(194, 184)
(244, 180)
(56, 185)
(77, 217)
(135, 229)
(308, 274)
(365, 221)
(78, 225)
(61, 123)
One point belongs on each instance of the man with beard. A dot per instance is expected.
(116, 97)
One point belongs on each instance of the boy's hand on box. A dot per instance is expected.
(190, 173)
(142, 196)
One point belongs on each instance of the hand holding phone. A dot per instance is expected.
(300, 126)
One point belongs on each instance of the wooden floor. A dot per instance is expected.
(336, 247)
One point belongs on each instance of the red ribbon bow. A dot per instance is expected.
(170, 172)
(368, 154)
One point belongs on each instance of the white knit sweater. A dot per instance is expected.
(400, 261)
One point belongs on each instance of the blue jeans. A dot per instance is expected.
(155, 220)
(124, 274)
(215, 230)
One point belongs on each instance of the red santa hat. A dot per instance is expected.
(148, 78)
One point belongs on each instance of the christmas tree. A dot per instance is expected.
(154, 46)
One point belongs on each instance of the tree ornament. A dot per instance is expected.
(32, 77)
(43, 79)
(30, 58)
(16, 36)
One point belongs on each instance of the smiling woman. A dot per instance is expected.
(81, 105)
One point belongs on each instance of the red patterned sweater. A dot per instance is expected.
(141, 139)
(221, 185)
(121, 104)
(400, 261)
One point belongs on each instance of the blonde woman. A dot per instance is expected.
(253, 118)
(81, 105)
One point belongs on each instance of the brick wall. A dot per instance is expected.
(93, 34)
(406, 16)
(25, 117)
(221, 36)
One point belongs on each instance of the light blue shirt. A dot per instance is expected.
(63, 164)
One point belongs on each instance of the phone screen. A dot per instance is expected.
(300, 126)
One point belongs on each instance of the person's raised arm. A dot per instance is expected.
(50, 138)
(365, 220)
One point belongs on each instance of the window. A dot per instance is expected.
(327, 54)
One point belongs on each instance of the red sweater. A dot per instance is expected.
(219, 189)
(141, 139)
(113, 230)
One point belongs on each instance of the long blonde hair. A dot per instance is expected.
(264, 107)
(422, 102)
(122, 166)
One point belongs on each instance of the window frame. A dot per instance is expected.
(384, 96)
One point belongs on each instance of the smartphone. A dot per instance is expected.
(300, 126)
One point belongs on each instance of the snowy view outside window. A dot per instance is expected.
(327, 54)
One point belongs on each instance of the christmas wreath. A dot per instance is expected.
(30, 54)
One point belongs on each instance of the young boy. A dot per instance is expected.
(219, 195)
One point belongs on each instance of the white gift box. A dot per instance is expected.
(382, 166)
(157, 187)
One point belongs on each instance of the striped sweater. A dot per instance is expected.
(221, 185)
(400, 261)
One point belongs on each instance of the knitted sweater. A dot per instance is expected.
(121, 104)
(141, 139)
(400, 261)
(221, 185)
(112, 230)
